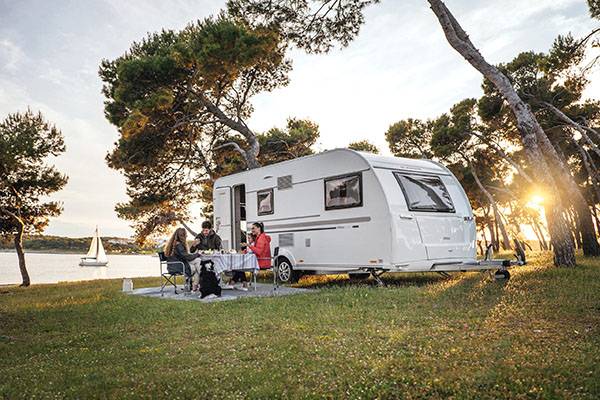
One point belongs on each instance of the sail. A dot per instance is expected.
(93, 251)
(96, 257)
(101, 255)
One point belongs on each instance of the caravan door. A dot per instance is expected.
(444, 220)
(222, 210)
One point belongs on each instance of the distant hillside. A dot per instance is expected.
(112, 245)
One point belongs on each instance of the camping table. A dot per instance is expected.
(233, 262)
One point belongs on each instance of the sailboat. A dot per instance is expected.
(96, 257)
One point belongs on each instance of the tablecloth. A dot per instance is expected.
(232, 262)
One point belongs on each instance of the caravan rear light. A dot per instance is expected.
(300, 260)
(373, 261)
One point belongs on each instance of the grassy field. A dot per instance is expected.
(422, 336)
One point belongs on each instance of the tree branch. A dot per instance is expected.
(585, 39)
(195, 121)
(187, 227)
(232, 144)
(503, 155)
(239, 126)
(13, 215)
(574, 125)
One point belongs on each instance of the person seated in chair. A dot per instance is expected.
(177, 250)
(240, 276)
(259, 245)
(207, 239)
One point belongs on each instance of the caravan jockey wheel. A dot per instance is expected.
(285, 272)
(501, 274)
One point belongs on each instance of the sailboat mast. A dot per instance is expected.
(97, 243)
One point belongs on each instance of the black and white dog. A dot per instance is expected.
(209, 283)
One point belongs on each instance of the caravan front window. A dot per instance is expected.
(425, 193)
(265, 202)
(343, 192)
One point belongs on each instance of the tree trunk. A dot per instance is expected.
(596, 217)
(532, 217)
(21, 254)
(514, 223)
(491, 229)
(542, 246)
(506, 223)
(497, 218)
(497, 234)
(577, 229)
(528, 126)
(538, 228)
(585, 159)
(570, 215)
(584, 216)
(19, 245)
(485, 241)
(481, 228)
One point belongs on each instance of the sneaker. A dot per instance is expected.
(243, 289)
(211, 296)
(228, 287)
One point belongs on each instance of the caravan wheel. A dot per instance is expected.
(285, 272)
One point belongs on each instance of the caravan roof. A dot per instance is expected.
(350, 159)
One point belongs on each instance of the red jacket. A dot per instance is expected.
(262, 249)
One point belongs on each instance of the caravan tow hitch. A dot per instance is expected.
(502, 272)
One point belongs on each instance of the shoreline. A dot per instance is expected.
(66, 252)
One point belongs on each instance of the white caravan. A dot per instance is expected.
(343, 211)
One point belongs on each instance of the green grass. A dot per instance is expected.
(422, 336)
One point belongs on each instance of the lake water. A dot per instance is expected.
(53, 268)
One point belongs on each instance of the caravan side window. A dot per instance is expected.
(425, 193)
(343, 192)
(265, 202)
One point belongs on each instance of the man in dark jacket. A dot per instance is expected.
(207, 239)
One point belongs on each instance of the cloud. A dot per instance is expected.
(12, 58)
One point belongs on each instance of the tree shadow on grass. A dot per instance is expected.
(389, 280)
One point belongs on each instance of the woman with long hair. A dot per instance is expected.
(177, 250)
(260, 245)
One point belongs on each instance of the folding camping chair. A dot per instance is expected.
(272, 268)
(171, 277)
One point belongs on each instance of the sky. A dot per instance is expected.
(400, 66)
